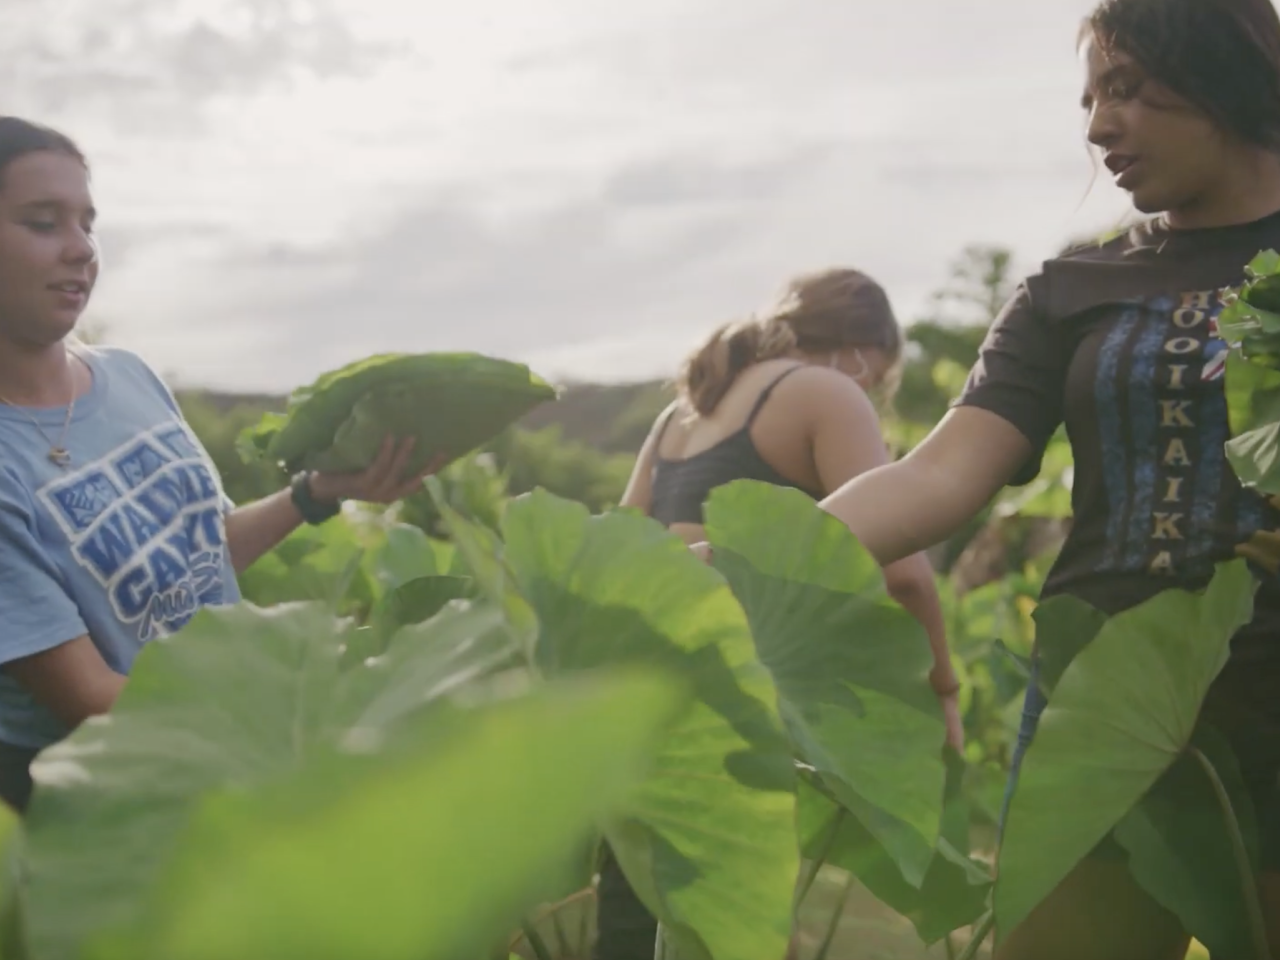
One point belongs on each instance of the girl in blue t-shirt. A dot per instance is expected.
(114, 528)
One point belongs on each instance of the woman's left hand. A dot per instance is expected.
(383, 481)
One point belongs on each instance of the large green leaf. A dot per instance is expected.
(428, 848)
(709, 841)
(481, 554)
(1180, 850)
(1120, 716)
(851, 666)
(450, 403)
(240, 698)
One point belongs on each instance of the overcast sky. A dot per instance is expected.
(586, 185)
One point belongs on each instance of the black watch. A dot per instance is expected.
(313, 511)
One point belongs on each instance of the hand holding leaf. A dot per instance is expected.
(386, 480)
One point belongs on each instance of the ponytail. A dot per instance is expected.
(709, 372)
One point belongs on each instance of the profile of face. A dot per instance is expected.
(1161, 149)
(48, 254)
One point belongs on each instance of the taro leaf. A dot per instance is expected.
(708, 843)
(322, 563)
(956, 887)
(851, 666)
(1065, 625)
(420, 850)
(253, 441)
(482, 557)
(451, 403)
(412, 602)
(405, 553)
(1180, 851)
(424, 662)
(1120, 716)
(240, 698)
(1251, 324)
(1253, 403)
(1264, 264)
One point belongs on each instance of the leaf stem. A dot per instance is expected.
(1248, 884)
(816, 864)
(536, 943)
(833, 925)
(985, 926)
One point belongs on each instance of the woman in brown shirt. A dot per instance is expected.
(1120, 342)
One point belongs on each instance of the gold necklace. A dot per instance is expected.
(58, 452)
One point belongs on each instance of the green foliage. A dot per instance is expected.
(389, 853)
(449, 403)
(709, 841)
(545, 460)
(1122, 713)
(1251, 326)
(218, 428)
(458, 600)
(352, 567)
(241, 698)
(851, 666)
(954, 890)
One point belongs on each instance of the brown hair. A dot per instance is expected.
(825, 311)
(1223, 56)
(20, 137)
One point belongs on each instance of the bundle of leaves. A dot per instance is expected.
(450, 403)
(1251, 326)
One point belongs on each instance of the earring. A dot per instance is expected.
(865, 367)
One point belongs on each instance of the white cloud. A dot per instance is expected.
(590, 186)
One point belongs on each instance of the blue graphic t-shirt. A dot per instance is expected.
(125, 543)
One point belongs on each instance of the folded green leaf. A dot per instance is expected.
(451, 403)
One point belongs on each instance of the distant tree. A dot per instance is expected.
(942, 346)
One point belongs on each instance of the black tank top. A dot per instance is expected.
(681, 487)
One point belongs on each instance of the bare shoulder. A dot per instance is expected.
(821, 391)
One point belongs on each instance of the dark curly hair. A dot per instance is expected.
(1222, 56)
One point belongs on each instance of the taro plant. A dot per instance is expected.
(1250, 324)
(252, 794)
(1121, 747)
(715, 851)
(416, 780)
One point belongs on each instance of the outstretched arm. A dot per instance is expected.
(897, 517)
(922, 499)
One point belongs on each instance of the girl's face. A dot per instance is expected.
(1167, 154)
(48, 254)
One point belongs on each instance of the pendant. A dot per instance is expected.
(60, 456)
